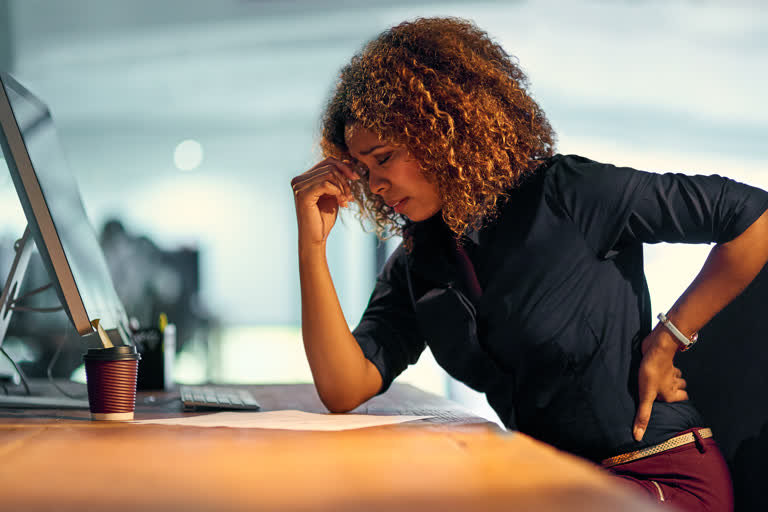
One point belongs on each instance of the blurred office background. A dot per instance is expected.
(184, 121)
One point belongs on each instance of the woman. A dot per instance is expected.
(521, 269)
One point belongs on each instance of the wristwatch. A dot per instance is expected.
(681, 338)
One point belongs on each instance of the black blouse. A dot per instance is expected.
(554, 340)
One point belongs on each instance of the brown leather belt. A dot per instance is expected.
(676, 441)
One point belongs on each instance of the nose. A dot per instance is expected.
(377, 184)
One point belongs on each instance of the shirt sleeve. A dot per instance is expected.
(388, 332)
(614, 206)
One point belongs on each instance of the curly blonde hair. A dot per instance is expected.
(443, 89)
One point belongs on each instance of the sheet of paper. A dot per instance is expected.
(287, 420)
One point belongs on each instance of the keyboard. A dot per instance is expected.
(217, 397)
(42, 402)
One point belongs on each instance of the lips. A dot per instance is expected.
(392, 204)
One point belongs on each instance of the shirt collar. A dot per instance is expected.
(474, 236)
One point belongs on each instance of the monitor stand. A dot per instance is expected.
(38, 396)
(23, 247)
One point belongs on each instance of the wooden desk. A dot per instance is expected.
(61, 460)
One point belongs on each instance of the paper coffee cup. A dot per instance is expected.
(111, 379)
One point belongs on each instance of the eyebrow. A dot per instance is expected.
(368, 151)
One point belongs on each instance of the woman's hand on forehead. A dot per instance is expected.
(318, 195)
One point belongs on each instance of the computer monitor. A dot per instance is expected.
(56, 217)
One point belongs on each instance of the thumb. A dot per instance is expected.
(643, 413)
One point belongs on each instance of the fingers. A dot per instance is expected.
(658, 379)
(676, 393)
(319, 175)
(646, 394)
(322, 187)
(316, 181)
(673, 391)
(317, 189)
(642, 418)
(348, 169)
(342, 166)
(338, 172)
(312, 175)
(345, 166)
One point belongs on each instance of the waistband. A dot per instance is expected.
(682, 439)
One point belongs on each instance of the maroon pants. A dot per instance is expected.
(692, 477)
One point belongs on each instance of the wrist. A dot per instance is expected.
(665, 342)
(684, 342)
(311, 251)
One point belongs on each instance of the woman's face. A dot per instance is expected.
(393, 174)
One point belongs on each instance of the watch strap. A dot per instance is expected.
(684, 341)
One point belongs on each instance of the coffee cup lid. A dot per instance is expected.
(120, 353)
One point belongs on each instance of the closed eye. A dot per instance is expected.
(381, 160)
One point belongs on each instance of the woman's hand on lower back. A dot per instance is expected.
(658, 379)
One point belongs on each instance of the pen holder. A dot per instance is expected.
(157, 349)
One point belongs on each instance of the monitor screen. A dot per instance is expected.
(51, 201)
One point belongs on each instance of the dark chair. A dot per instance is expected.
(727, 374)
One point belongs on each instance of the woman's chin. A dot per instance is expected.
(420, 215)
